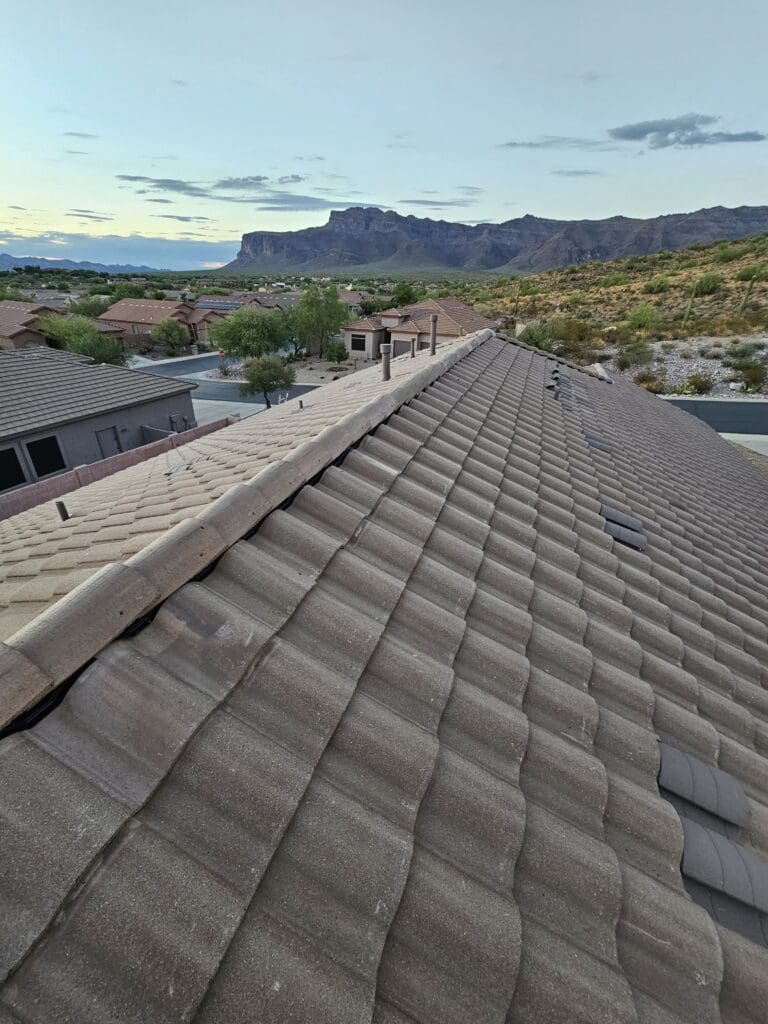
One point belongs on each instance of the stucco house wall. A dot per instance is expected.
(79, 442)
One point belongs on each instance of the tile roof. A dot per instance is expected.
(454, 318)
(42, 558)
(144, 311)
(38, 392)
(17, 317)
(395, 757)
(367, 323)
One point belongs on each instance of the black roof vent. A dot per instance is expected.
(727, 879)
(596, 442)
(615, 515)
(623, 527)
(703, 785)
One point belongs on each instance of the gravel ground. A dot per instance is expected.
(676, 370)
(309, 371)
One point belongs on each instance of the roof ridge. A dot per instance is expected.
(67, 635)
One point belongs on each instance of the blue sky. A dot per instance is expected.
(158, 133)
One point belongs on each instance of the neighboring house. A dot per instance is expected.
(353, 299)
(59, 410)
(20, 323)
(201, 320)
(229, 303)
(137, 317)
(400, 326)
(443, 700)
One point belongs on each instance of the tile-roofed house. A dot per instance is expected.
(139, 316)
(201, 319)
(353, 298)
(20, 323)
(59, 410)
(395, 754)
(401, 326)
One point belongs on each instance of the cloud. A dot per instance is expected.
(559, 142)
(168, 202)
(76, 152)
(291, 179)
(17, 207)
(241, 184)
(184, 188)
(436, 204)
(589, 77)
(681, 132)
(576, 172)
(180, 217)
(158, 252)
(80, 135)
(469, 190)
(89, 215)
(179, 81)
(310, 159)
(291, 201)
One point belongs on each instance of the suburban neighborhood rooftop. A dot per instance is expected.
(455, 712)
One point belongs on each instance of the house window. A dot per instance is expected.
(11, 473)
(46, 456)
(357, 342)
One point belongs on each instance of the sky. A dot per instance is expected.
(158, 133)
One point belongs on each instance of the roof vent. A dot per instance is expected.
(596, 442)
(623, 527)
(727, 879)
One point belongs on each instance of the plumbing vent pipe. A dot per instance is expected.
(413, 348)
(386, 352)
(432, 333)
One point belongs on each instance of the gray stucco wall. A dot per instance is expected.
(80, 445)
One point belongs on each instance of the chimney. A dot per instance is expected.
(386, 351)
(432, 333)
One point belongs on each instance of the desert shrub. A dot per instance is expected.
(651, 381)
(753, 374)
(712, 353)
(754, 272)
(686, 353)
(729, 253)
(336, 352)
(708, 284)
(611, 280)
(742, 349)
(668, 346)
(537, 335)
(657, 285)
(698, 384)
(644, 318)
(636, 354)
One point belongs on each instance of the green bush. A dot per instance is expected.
(698, 384)
(651, 381)
(729, 253)
(657, 285)
(611, 280)
(753, 375)
(336, 352)
(743, 349)
(537, 335)
(635, 354)
(668, 346)
(755, 272)
(644, 318)
(708, 284)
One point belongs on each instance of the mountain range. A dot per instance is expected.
(370, 240)
(8, 262)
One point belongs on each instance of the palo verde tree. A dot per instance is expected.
(251, 333)
(77, 334)
(265, 375)
(318, 317)
(337, 353)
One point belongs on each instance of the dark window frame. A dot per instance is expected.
(21, 478)
(34, 452)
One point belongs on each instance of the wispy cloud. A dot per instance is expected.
(559, 142)
(469, 190)
(178, 185)
(184, 218)
(89, 215)
(589, 77)
(80, 135)
(11, 207)
(687, 130)
(153, 251)
(180, 82)
(241, 184)
(310, 159)
(167, 202)
(576, 172)
(76, 152)
(436, 204)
